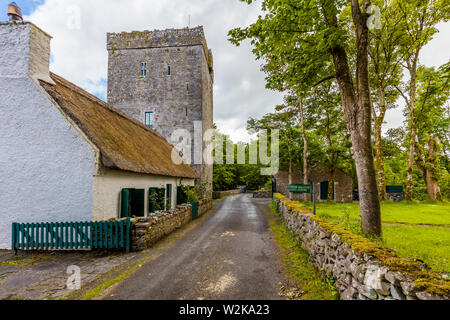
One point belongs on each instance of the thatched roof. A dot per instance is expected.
(124, 143)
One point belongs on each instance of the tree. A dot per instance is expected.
(325, 118)
(432, 125)
(285, 121)
(294, 108)
(307, 39)
(418, 24)
(224, 175)
(385, 73)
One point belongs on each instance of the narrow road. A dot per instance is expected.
(230, 255)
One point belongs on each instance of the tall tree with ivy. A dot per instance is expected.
(432, 125)
(418, 26)
(307, 39)
(385, 72)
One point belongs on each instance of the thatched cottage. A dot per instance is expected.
(65, 155)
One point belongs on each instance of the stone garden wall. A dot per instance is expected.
(220, 194)
(262, 194)
(395, 196)
(362, 269)
(145, 232)
(204, 206)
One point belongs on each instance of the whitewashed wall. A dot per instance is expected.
(107, 188)
(46, 168)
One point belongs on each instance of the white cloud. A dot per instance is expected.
(81, 56)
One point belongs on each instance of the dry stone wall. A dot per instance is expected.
(145, 232)
(220, 194)
(362, 270)
(262, 194)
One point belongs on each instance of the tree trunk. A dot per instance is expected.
(434, 192)
(412, 129)
(305, 144)
(331, 180)
(357, 110)
(381, 181)
(305, 148)
(290, 171)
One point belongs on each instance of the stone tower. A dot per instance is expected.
(164, 78)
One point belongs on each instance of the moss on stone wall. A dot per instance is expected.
(423, 277)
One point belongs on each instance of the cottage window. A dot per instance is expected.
(149, 119)
(143, 69)
(132, 203)
(157, 198)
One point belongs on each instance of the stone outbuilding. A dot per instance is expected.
(66, 155)
(342, 189)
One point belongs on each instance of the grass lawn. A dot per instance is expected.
(413, 229)
(405, 212)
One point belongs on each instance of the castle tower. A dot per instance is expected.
(164, 78)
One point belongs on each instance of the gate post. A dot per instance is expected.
(127, 232)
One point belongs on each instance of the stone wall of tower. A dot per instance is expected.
(177, 99)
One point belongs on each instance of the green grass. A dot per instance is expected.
(405, 212)
(430, 244)
(421, 230)
(296, 262)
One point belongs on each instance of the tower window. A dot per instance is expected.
(143, 69)
(149, 119)
(168, 70)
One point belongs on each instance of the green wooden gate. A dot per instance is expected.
(72, 235)
(194, 209)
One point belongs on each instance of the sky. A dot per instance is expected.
(78, 48)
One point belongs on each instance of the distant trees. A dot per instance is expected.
(432, 125)
(303, 42)
(418, 20)
(234, 172)
(341, 78)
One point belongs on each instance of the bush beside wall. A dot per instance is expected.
(361, 269)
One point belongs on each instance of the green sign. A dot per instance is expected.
(300, 188)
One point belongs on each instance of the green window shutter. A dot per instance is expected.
(169, 196)
(179, 195)
(152, 200)
(125, 204)
(137, 202)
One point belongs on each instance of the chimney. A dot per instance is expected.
(24, 51)
(14, 12)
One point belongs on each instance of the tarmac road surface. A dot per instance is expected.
(230, 255)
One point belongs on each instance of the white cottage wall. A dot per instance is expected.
(108, 185)
(46, 168)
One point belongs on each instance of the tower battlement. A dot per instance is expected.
(160, 39)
